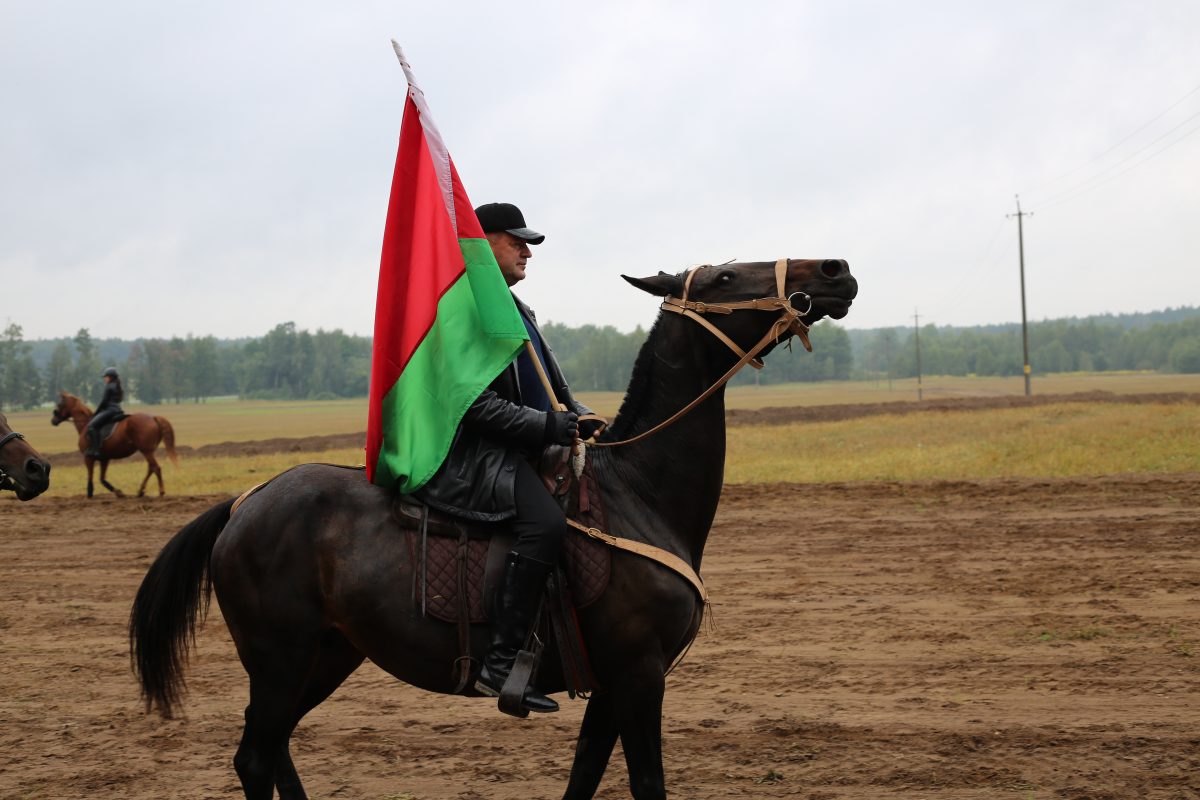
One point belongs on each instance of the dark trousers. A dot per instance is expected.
(540, 524)
(97, 422)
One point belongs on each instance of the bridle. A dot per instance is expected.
(789, 322)
(5, 439)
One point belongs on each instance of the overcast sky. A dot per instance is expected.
(219, 167)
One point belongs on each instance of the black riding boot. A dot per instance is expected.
(520, 593)
(93, 450)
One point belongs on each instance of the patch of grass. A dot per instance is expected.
(227, 475)
(1043, 442)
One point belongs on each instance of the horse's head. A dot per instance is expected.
(63, 408)
(21, 468)
(746, 302)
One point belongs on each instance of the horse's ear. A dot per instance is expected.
(661, 284)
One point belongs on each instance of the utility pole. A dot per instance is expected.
(917, 337)
(1021, 249)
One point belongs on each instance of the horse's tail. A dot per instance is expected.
(173, 595)
(168, 437)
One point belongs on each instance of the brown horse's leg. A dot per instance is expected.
(91, 463)
(151, 469)
(597, 735)
(104, 480)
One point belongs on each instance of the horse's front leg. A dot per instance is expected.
(91, 463)
(597, 735)
(104, 480)
(638, 707)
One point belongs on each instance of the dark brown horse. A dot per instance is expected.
(312, 576)
(22, 469)
(136, 433)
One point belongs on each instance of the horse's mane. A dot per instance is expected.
(639, 390)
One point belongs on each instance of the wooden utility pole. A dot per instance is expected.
(917, 338)
(1024, 325)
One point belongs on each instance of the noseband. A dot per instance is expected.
(789, 318)
(789, 322)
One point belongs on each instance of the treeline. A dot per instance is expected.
(288, 363)
(1094, 344)
(283, 364)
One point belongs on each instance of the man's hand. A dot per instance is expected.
(590, 427)
(562, 427)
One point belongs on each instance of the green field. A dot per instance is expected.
(1056, 440)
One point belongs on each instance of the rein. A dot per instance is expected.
(788, 322)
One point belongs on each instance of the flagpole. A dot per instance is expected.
(541, 371)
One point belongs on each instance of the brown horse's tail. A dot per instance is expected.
(168, 437)
(173, 597)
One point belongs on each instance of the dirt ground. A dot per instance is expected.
(997, 639)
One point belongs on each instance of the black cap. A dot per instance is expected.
(496, 217)
(111, 372)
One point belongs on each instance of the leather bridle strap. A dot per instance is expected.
(8, 437)
(789, 321)
(657, 554)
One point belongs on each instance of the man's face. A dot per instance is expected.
(511, 254)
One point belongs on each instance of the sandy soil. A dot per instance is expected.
(999, 639)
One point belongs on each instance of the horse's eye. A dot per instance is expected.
(725, 278)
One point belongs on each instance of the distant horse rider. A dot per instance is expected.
(487, 475)
(108, 410)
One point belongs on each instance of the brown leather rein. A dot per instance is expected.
(789, 322)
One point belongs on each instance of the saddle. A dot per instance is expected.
(460, 563)
(106, 430)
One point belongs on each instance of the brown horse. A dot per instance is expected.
(136, 433)
(21, 468)
(312, 576)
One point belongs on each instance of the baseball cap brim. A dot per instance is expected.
(528, 234)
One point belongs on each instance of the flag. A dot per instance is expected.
(445, 323)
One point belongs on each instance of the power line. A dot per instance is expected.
(1051, 202)
(1099, 156)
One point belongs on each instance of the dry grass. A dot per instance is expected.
(1048, 441)
(223, 475)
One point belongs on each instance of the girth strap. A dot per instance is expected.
(667, 559)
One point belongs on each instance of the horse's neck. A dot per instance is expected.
(666, 487)
(81, 415)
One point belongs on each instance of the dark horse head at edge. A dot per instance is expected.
(22, 469)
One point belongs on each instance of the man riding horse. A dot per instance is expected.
(488, 477)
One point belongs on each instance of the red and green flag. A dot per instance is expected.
(445, 322)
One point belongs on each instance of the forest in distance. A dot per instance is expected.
(292, 363)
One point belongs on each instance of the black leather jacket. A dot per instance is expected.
(113, 395)
(476, 479)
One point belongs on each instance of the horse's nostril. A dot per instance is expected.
(834, 267)
(36, 468)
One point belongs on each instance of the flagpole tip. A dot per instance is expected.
(399, 52)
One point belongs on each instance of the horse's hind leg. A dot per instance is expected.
(273, 703)
(335, 662)
(151, 469)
